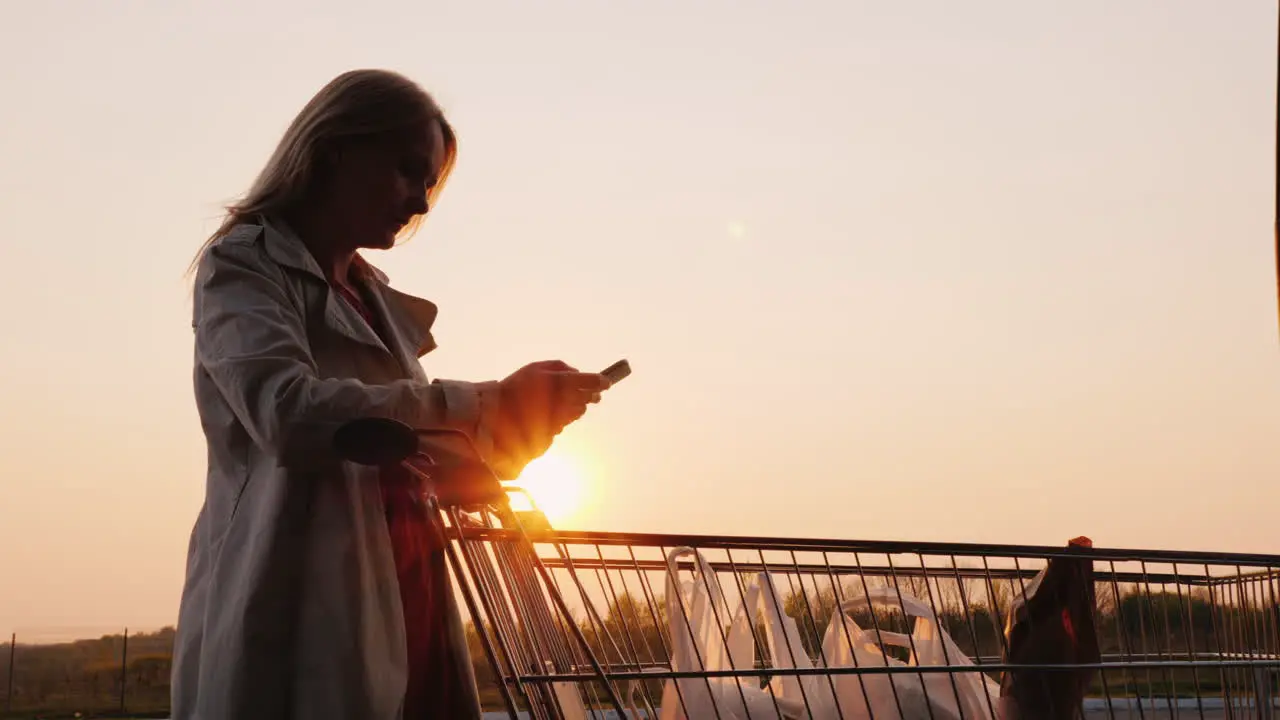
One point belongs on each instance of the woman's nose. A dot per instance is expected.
(417, 204)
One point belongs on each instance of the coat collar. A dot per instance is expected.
(410, 317)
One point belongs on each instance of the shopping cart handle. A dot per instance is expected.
(375, 441)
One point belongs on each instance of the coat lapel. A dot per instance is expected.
(408, 318)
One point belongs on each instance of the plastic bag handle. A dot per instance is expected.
(703, 566)
(891, 597)
(886, 638)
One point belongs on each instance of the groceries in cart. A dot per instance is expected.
(699, 646)
(1051, 622)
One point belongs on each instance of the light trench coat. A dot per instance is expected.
(291, 608)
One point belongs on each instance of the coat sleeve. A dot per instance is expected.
(250, 338)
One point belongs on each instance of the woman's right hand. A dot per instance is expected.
(537, 402)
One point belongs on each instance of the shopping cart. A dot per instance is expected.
(588, 624)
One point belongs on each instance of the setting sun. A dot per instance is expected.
(556, 484)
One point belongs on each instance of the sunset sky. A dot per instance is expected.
(989, 271)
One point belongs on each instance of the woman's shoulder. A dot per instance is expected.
(240, 235)
(236, 267)
(240, 242)
(233, 251)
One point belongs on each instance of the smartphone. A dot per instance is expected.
(617, 371)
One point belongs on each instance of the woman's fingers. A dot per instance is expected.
(591, 382)
(575, 391)
(539, 401)
(581, 387)
(549, 366)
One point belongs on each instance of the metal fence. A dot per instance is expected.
(112, 675)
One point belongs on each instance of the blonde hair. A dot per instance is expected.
(357, 104)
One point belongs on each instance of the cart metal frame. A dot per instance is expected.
(573, 623)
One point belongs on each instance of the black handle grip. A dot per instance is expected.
(375, 441)
(383, 442)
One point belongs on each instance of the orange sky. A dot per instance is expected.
(981, 271)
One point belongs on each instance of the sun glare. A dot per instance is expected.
(556, 485)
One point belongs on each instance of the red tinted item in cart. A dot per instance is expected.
(1051, 623)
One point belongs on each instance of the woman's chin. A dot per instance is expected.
(384, 242)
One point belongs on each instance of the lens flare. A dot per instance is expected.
(556, 484)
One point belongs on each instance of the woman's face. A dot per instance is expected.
(379, 185)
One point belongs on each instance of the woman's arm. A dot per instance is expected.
(250, 338)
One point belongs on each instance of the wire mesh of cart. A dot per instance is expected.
(583, 624)
(586, 624)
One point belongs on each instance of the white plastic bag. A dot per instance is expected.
(862, 696)
(698, 615)
(798, 695)
(947, 694)
(706, 635)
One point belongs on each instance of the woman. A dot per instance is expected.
(315, 588)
